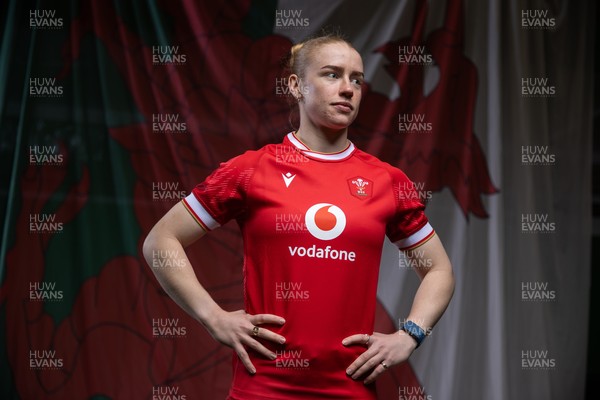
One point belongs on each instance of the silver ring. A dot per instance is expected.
(255, 331)
(384, 365)
(368, 338)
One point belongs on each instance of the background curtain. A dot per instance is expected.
(112, 111)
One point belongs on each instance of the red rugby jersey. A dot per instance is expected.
(313, 226)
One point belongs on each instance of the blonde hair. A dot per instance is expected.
(300, 53)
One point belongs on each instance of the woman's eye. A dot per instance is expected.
(332, 75)
(357, 81)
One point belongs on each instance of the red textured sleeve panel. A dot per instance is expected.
(410, 227)
(222, 195)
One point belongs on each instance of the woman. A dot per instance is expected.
(310, 286)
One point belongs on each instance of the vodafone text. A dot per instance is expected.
(318, 252)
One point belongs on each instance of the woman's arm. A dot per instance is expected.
(437, 283)
(164, 252)
(430, 302)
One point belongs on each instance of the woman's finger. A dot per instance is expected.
(244, 358)
(361, 338)
(368, 365)
(260, 319)
(259, 348)
(378, 370)
(266, 334)
(360, 362)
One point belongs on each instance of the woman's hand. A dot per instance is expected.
(383, 351)
(239, 330)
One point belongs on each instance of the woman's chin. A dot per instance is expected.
(338, 124)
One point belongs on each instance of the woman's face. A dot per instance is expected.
(331, 86)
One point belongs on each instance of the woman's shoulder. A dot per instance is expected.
(374, 162)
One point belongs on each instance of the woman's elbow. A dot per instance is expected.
(149, 246)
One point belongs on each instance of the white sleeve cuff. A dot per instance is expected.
(200, 214)
(417, 238)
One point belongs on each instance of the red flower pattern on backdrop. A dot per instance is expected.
(225, 94)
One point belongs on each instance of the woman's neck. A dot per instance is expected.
(323, 142)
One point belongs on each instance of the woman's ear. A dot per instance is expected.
(294, 86)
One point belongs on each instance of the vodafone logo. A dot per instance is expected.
(325, 221)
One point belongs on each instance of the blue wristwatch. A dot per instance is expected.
(414, 331)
